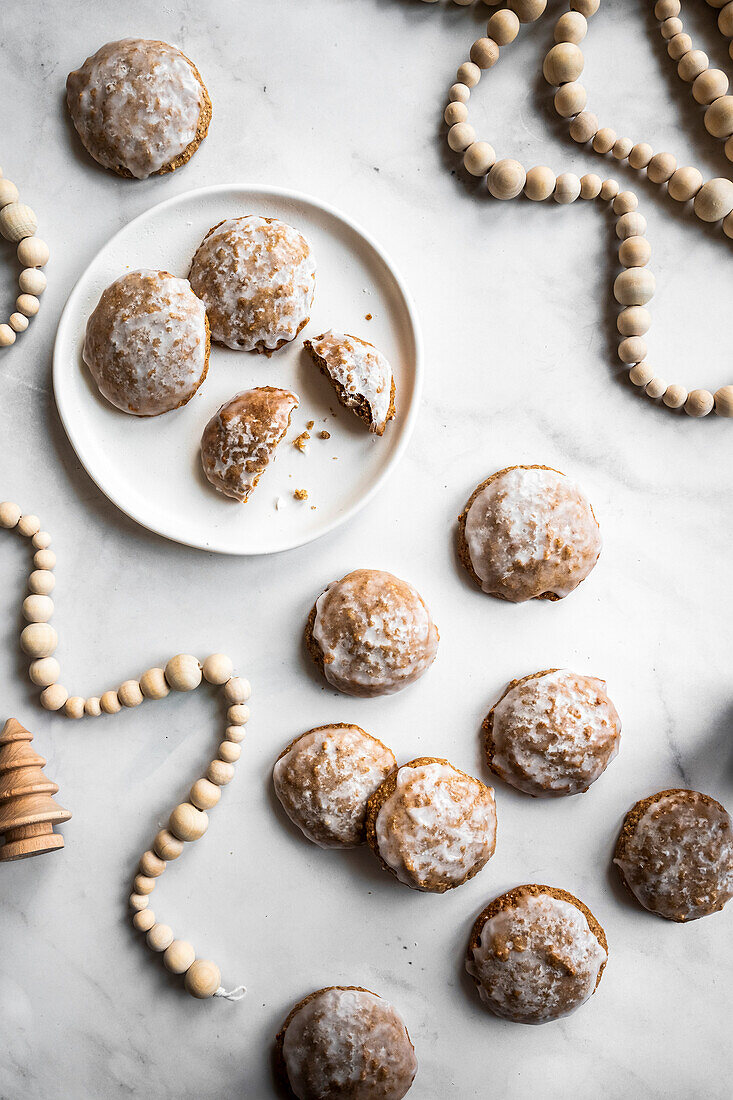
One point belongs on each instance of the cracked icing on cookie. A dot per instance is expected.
(553, 734)
(437, 828)
(324, 780)
(536, 960)
(257, 279)
(676, 855)
(146, 343)
(348, 1044)
(361, 375)
(531, 531)
(374, 632)
(135, 104)
(239, 441)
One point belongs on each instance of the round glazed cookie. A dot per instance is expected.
(371, 634)
(431, 825)
(257, 277)
(552, 733)
(240, 439)
(528, 532)
(345, 1043)
(140, 107)
(324, 779)
(536, 953)
(675, 854)
(147, 343)
(360, 375)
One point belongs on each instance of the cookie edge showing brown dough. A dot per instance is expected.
(386, 788)
(361, 406)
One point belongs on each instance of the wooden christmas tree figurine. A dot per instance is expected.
(28, 812)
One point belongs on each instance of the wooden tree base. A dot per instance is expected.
(30, 840)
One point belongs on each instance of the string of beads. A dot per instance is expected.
(18, 224)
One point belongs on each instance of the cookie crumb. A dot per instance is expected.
(310, 424)
(300, 442)
(367, 316)
(301, 494)
(324, 435)
(279, 502)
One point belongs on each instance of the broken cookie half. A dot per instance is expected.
(361, 376)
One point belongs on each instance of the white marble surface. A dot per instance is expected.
(344, 100)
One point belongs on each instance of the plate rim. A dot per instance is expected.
(409, 420)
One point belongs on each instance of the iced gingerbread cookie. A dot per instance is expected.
(147, 343)
(527, 533)
(240, 440)
(140, 107)
(361, 376)
(371, 634)
(431, 825)
(345, 1043)
(536, 953)
(552, 733)
(675, 854)
(257, 277)
(324, 779)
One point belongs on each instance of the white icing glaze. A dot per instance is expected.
(679, 860)
(325, 779)
(348, 1043)
(257, 278)
(360, 370)
(375, 633)
(145, 342)
(536, 961)
(436, 827)
(135, 104)
(531, 531)
(554, 734)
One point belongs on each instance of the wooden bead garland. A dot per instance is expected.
(18, 224)
(188, 822)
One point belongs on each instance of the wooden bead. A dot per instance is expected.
(586, 7)
(632, 224)
(478, 158)
(571, 27)
(160, 937)
(641, 374)
(540, 183)
(9, 515)
(678, 46)
(151, 865)
(238, 714)
(153, 684)
(32, 281)
(220, 773)
(74, 706)
(725, 21)
(506, 179)
(143, 884)
(218, 669)
(484, 53)
(661, 167)
(674, 396)
(622, 147)
(203, 979)
(724, 401)
(570, 99)
(144, 920)
(8, 193)
(28, 304)
(656, 388)
(699, 403)
(634, 321)
(634, 252)
(38, 640)
(563, 63)
(468, 74)
(166, 846)
(110, 703)
(17, 221)
(18, 322)
(204, 794)
(459, 93)
(235, 733)
(604, 140)
(707, 87)
(28, 525)
(33, 252)
(714, 200)
(179, 956)
(632, 349)
(503, 27)
(93, 707)
(41, 540)
(590, 186)
(54, 697)
(640, 155)
(527, 10)
(634, 287)
(188, 823)
(729, 146)
(230, 752)
(584, 127)
(685, 184)
(455, 112)
(461, 136)
(129, 693)
(719, 117)
(183, 672)
(671, 27)
(42, 581)
(44, 672)
(567, 188)
(609, 190)
(7, 336)
(37, 609)
(666, 9)
(691, 65)
(237, 690)
(138, 902)
(624, 203)
(44, 559)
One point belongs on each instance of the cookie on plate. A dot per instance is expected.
(536, 954)
(552, 733)
(431, 825)
(324, 778)
(528, 532)
(345, 1042)
(257, 278)
(371, 634)
(240, 439)
(361, 376)
(147, 343)
(675, 854)
(140, 107)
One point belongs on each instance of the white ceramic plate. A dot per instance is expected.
(150, 467)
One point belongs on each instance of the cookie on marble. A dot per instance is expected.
(536, 954)
(257, 278)
(552, 733)
(675, 854)
(361, 376)
(371, 634)
(432, 826)
(528, 532)
(140, 107)
(324, 778)
(147, 343)
(348, 1043)
(240, 439)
